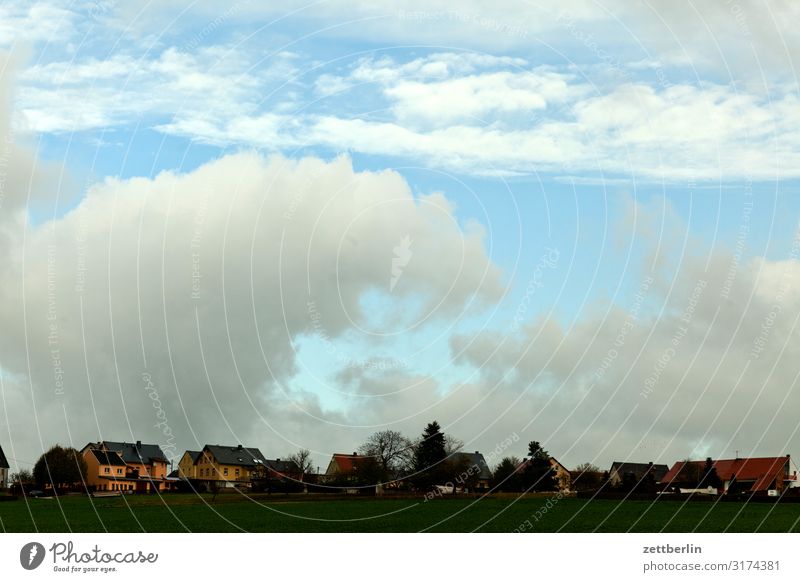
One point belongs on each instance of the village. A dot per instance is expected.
(388, 464)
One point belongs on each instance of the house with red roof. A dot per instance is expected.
(751, 475)
(349, 470)
(343, 464)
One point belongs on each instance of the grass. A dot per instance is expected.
(235, 513)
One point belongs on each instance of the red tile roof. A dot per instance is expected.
(762, 470)
(347, 463)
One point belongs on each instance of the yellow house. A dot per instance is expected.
(105, 470)
(187, 467)
(228, 466)
(115, 466)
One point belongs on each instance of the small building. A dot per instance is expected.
(3, 470)
(635, 472)
(352, 474)
(122, 466)
(342, 464)
(187, 466)
(751, 475)
(229, 466)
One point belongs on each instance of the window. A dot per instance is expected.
(225, 471)
(237, 472)
(107, 470)
(119, 471)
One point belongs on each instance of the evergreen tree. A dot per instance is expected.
(429, 457)
(710, 477)
(538, 474)
(506, 475)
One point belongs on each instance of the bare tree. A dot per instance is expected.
(588, 476)
(452, 445)
(23, 476)
(302, 459)
(393, 451)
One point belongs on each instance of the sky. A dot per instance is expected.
(291, 226)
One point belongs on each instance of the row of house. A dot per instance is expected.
(138, 467)
(753, 475)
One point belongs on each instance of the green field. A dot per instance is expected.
(232, 513)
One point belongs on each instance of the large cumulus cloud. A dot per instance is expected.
(168, 309)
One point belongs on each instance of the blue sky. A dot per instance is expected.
(623, 140)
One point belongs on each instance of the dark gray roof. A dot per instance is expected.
(3, 460)
(194, 455)
(137, 452)
(236, 455)
(108, 457)
(475, 460)
(639, 470)
(174, 474)
(283, 466)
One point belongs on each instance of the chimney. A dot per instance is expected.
(239, 447)
(477, 452)
(355, 454)
(138, 444)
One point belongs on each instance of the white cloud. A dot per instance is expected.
(208, 84)
(462, 112)
(472, 98)
(26, 22)
(204, 281)
(701, 359)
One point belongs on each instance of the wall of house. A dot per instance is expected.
(562, 476)
(209, 470)
(95, 471)
(158, 470)
(3, 478)
(186, 468)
